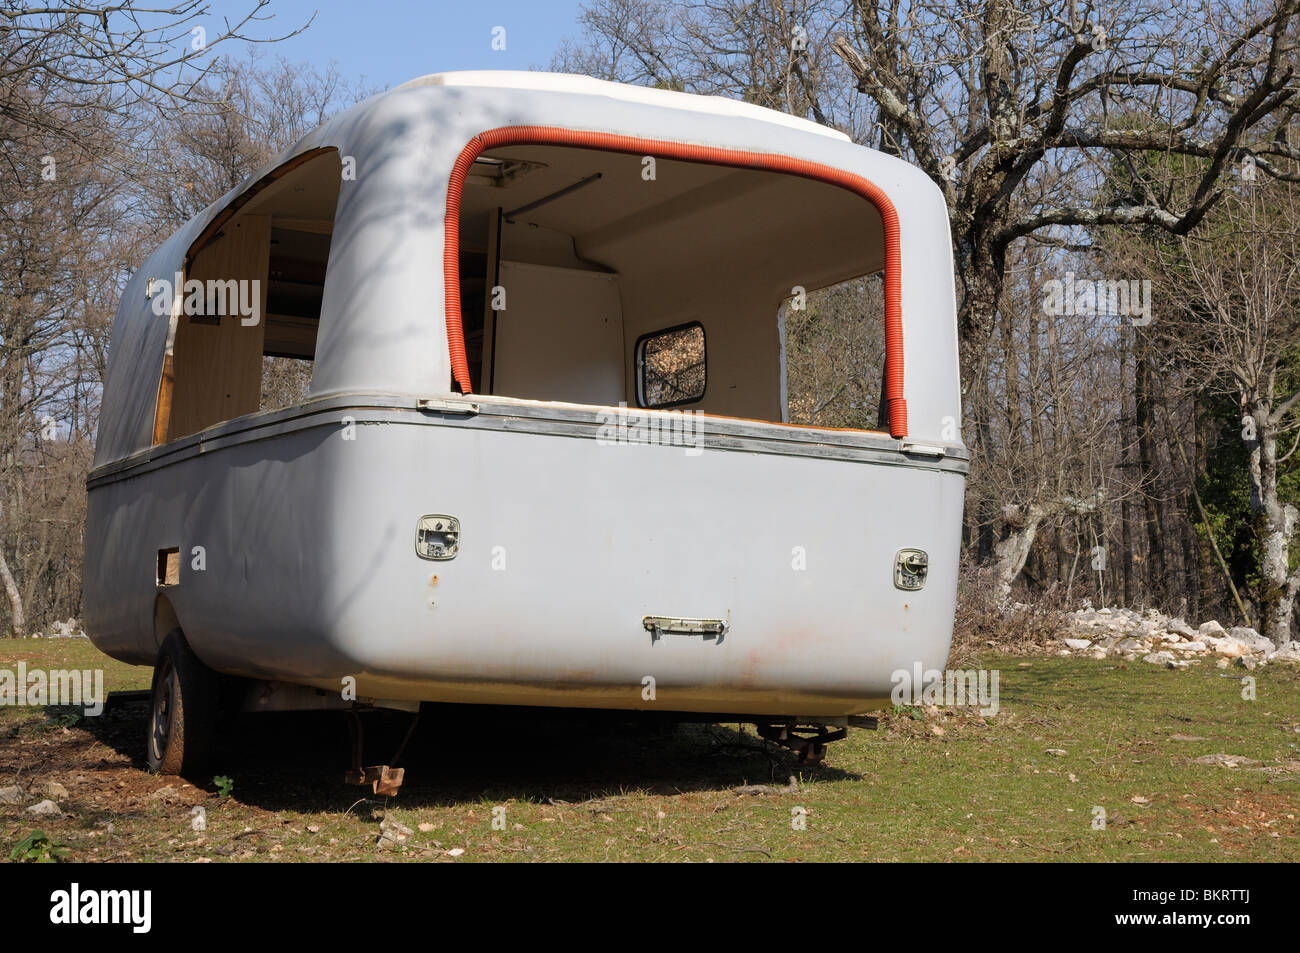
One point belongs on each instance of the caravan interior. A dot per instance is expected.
(586, 277)
(217, 367)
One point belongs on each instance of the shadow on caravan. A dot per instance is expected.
(542, 450)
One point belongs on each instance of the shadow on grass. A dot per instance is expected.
(468, 754)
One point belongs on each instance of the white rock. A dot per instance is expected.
(1212, 628)
(1251, 639)
(1181, 627)
(1229, 647)
(70, 629)
(44, 808)
(1226, 760)
(52, 789)
(1078, 644)
(1158, 658)
(12, 794)
(1191, 647)
(392, 831)
(1287, 653)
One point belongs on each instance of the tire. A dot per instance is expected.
(182, 711)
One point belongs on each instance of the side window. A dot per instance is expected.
(835, 356)
(244, 323)
(671, 366)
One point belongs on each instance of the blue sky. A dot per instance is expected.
(391, 41)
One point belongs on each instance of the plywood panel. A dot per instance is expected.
(217, 367)
(560, 337)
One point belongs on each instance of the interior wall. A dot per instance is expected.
(524, 241)
(742, 344)
(217, 367)
(560, 336)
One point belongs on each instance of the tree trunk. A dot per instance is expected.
(1143, 417)
(1127, 595)
(1013, 550)
(987, 508)
(1011, 386)
(1275, 524)
(1021, 525)
(18, 626)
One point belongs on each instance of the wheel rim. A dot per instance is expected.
(162, 712)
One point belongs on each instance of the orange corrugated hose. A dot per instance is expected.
(550, 135)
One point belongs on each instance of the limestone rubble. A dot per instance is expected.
(1165, 640)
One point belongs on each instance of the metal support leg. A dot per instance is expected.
(383, 779)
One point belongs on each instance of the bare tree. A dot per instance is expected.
(1238, 333)
(84, 89)
(110, 58)
(57, 215)
(999, 99)
(775, 53)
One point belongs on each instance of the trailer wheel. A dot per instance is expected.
(183, 710)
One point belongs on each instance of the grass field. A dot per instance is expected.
(1072, 736)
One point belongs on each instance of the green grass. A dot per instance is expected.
(974, 789)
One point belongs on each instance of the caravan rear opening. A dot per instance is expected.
(606, 278)
(519, 389)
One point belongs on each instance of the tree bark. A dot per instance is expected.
(1128, 597)
(18, 625)
(1143, 418)
(1275, 525)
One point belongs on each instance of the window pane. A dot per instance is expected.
(672, 366)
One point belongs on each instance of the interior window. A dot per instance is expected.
(671, 367)
(244, 323)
